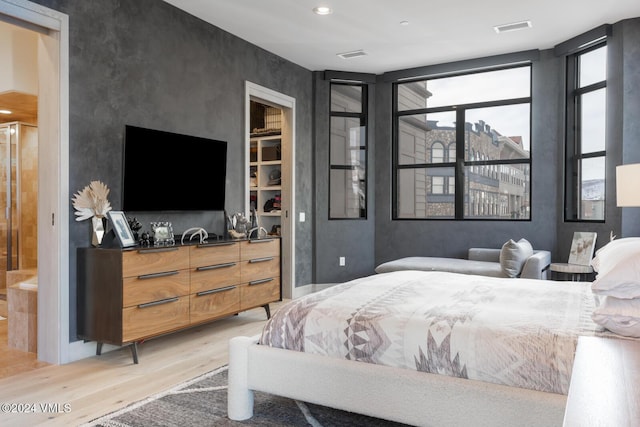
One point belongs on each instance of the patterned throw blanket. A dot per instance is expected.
(516, 332)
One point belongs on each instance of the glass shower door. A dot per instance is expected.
(8, 200)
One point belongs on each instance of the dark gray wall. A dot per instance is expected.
(350, 238)
(628, 32)
(149, 64)
(623, 137)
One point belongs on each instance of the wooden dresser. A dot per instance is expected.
(128, 295)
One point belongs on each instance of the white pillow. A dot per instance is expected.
(610, 254)
(620, 281)
(621, 316)
(513, 255)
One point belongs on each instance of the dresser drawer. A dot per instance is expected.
(153, 287)
(221, 253)
(143, 321)
(259, 293)
(259, 248)
(215, 276)
(259, 268)
(214, 303)
(154, 260)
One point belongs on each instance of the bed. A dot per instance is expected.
(422, 348)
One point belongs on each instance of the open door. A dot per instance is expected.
(285, 105)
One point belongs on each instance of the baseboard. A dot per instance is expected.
(81, 350)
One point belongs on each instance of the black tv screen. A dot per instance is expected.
(164, 171)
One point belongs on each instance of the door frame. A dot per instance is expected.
(255, 92)
(53, 173)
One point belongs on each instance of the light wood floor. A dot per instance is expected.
(102, 384)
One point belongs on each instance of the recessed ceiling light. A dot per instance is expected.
(322, 10)
(512, 27)
(5, 112)
(404, 23)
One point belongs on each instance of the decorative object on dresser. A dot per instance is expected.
(91, 202)
(237, 226)
(129, 295)
(120, 229)
(200, 232)
(162, 233)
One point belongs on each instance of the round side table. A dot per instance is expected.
(576, 272)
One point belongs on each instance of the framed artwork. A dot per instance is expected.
(582, 247)
(121, 228)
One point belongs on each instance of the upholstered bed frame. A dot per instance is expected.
(395, 394)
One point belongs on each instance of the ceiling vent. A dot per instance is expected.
(512, 27)
(352, 54)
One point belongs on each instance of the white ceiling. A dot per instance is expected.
(438, 32)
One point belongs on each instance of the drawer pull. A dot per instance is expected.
(260, 240)
(162, 301)
(155, 275)
(257, 282)
(164, 249)
(215, 291)
(208, 245)
(213, 267)
(252, 261)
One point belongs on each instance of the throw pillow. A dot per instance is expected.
(620, 281)
(621, 316)
(513, 255)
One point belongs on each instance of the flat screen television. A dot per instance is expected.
(165, 171)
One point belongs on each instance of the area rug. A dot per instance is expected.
(202, 401)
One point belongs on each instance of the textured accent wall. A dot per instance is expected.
(623, 138)
(149, 64)
(349, 238)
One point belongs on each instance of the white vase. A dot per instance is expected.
(98, 231)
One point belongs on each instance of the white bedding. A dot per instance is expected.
(516, 332)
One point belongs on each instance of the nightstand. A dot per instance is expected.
(575, 271)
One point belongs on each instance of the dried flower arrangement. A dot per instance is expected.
(92, 201)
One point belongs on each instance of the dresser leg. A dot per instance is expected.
(98, 349)
(268, 310)
(134, 351)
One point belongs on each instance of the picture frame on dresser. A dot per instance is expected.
(121, 229)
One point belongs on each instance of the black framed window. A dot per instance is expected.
(462, 146)
(585, 157)
(348, 151)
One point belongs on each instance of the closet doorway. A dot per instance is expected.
(286, 106)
